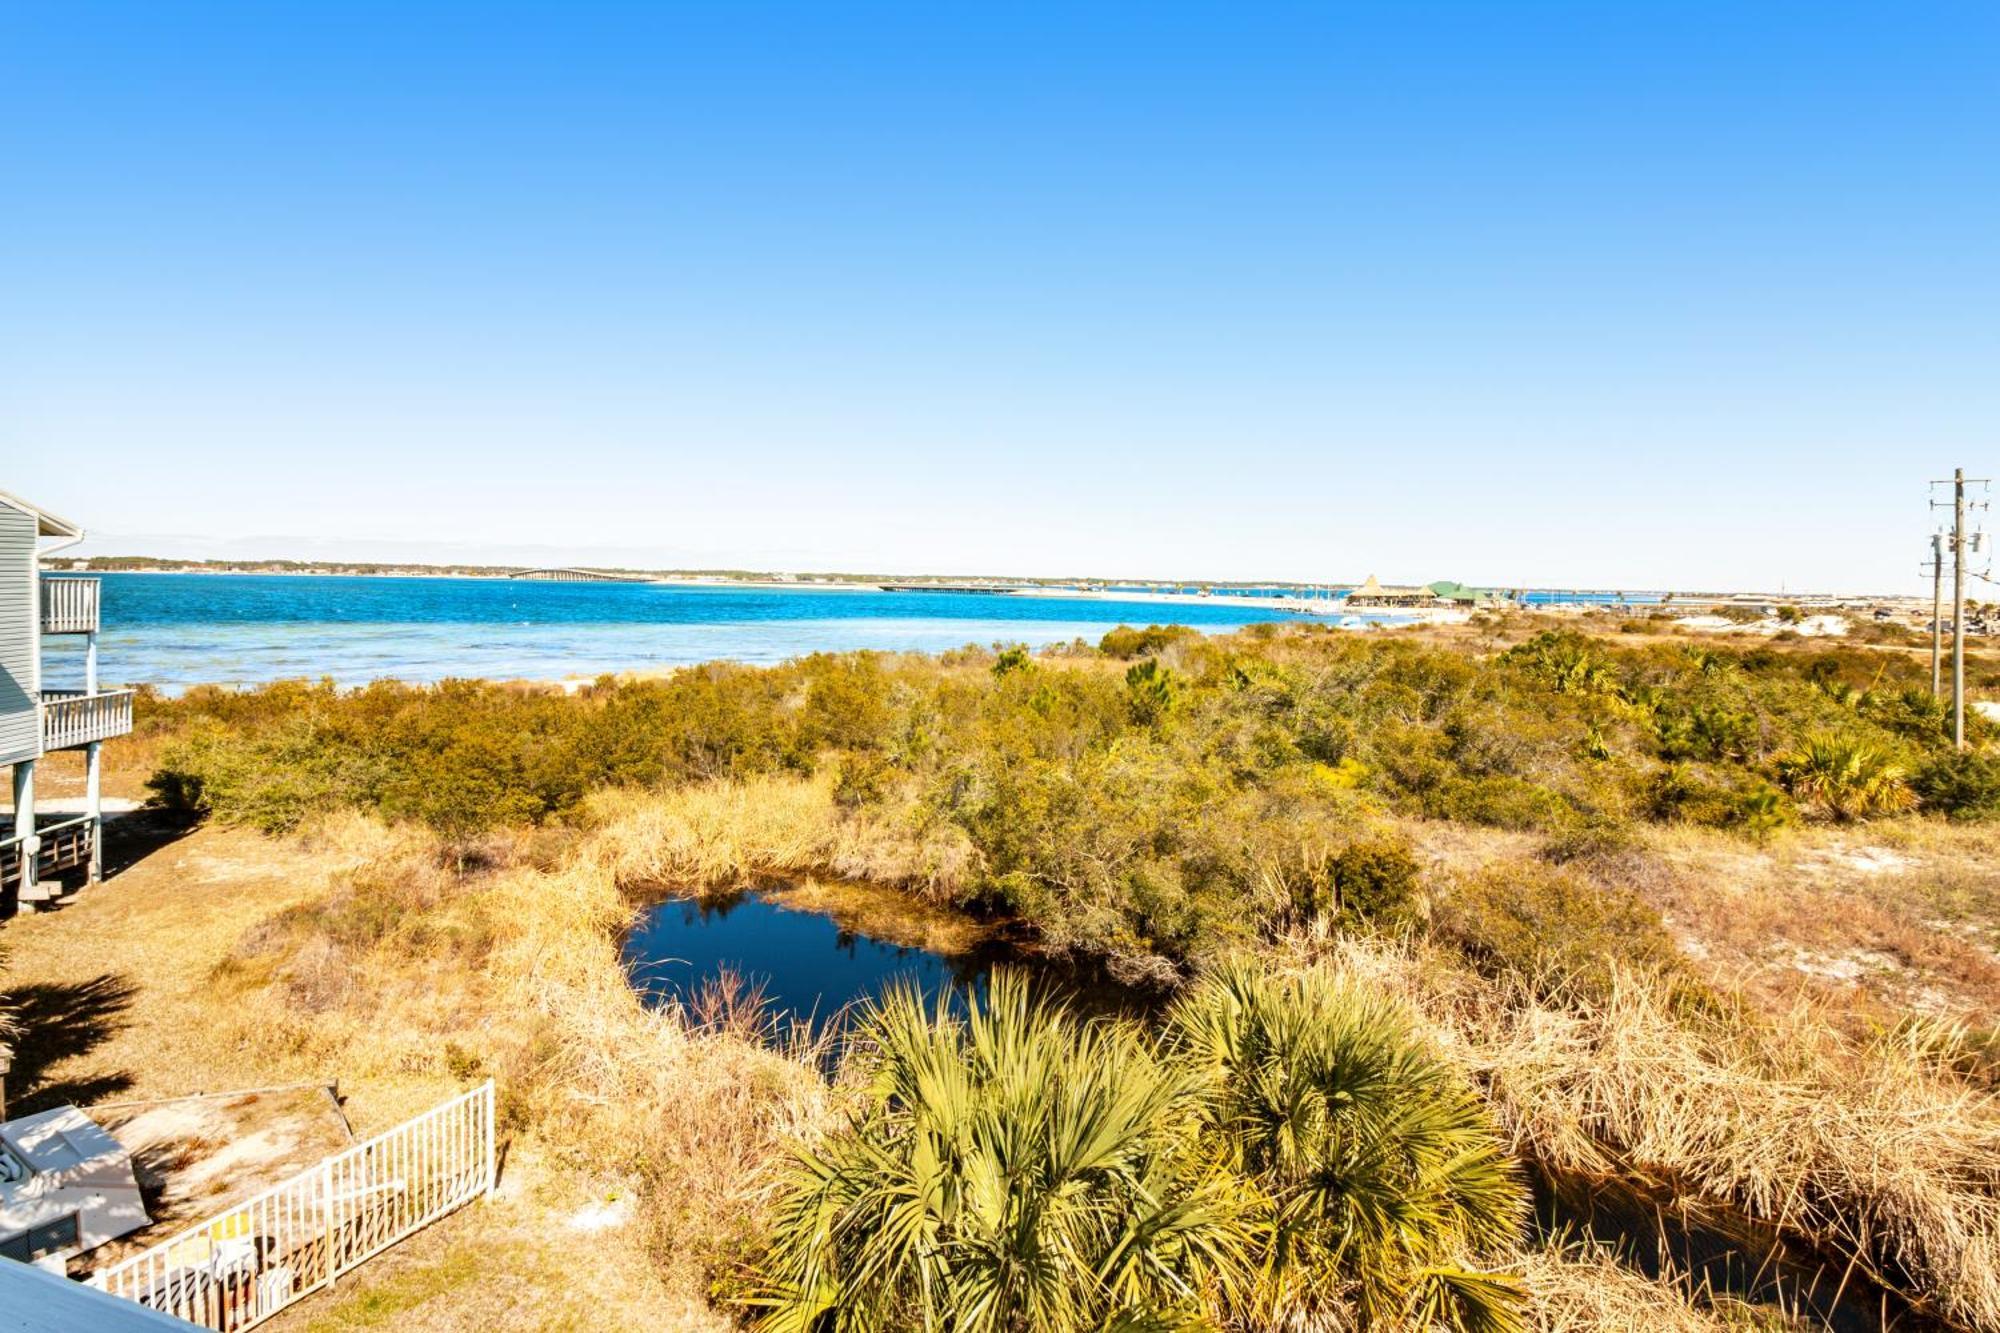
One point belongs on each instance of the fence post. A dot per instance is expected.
(326, 1200)
(486, 1102)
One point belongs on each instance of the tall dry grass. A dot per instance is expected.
(1880, 1148)
(1883, 1150)
(402, 961)
(731, 832)
(1585, 1289)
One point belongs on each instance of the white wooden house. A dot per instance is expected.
(37, 719)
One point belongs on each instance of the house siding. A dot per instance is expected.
(20, 638)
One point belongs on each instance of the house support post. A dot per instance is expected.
(24, 828)
(93, 788)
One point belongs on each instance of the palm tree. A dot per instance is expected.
(1387, 1177)
(1846, 777)
(1010, 1168)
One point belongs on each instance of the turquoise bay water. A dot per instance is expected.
(177, 630)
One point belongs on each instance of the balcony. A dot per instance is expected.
(76, 717)
(69, 605)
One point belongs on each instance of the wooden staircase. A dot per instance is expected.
(66, 849)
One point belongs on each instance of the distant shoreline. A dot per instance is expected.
(1164, 591)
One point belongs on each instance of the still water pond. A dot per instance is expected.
(807, 963)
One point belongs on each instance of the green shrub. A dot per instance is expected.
(1961, 784)
(1374, 882)
(1678, 793)
(1291, 1148)
(1011, 660)
(1134, 811)
(861, 779)
(1012, 1168)
(1153, 690)
(1126, 642)
(1563, 661)
(1553, 926)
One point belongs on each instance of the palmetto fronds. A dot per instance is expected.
(1387, 1177)
(1291, 1155)
(1846, 777)
(1012, 1169)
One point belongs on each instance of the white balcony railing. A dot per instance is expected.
(69, 605)
(75, 717)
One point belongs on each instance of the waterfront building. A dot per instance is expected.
(42, 854)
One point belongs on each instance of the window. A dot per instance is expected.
(65, 1233)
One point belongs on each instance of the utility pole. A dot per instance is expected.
(1958, 607)
(1959, 542)
(1937, 614)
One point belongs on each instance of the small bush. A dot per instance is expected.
(1127, 643)
(1011, 660)
(1385, 1172)
(1374, 882)
(1552, 926)
(1153, 689)
(1960, 785)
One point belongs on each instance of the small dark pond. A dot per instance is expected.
(809, 956)
(806, 965)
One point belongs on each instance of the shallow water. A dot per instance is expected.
(805, 964)
(176, 630)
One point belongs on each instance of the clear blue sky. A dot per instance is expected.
(1617, 294)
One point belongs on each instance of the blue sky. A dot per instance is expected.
(1643, 295)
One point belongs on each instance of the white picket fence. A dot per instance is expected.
(242, 1266)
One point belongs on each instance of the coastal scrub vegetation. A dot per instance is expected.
(1156, 801)
(1358, 868)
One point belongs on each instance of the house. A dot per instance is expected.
(37, 719)
(66, 1186)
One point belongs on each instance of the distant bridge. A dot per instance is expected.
(577, 576)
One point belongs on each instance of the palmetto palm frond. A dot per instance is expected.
(1846, 777)
(1012, 1169)
(1385, 1170)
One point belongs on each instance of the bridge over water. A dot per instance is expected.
(577, 576)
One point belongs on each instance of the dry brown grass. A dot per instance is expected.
(729, 833)
(1880, 1150)
(1586, 1290)
(365, 954)
(361, 955)
(1896, 917)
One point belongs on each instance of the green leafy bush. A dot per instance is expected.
(1553, 926)
(1291, 1147)
(1127, 642)
(1130, 810)
(1010, 1168)
(1153, 689)
(1960, 784)
(1375, 882)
